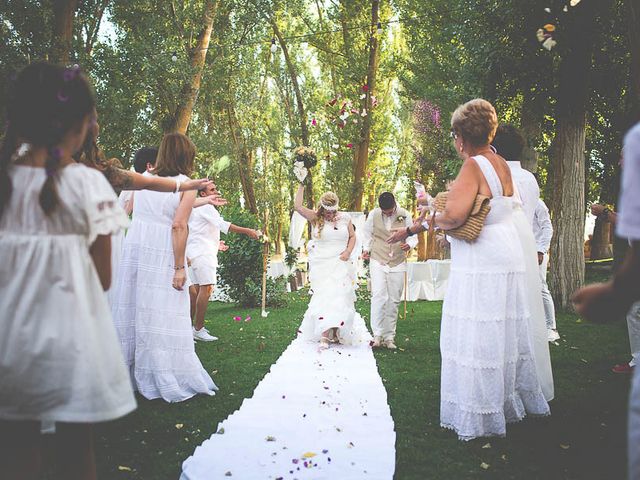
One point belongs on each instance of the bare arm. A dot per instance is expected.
(602, 302)
(300, 208)
(215, 200)
(100, 252)
(350, 244)
(179, 234)
(121, 179)
(461, 198)
(249, 232)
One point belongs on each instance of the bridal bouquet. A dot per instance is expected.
(303, 159)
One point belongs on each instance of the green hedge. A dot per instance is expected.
(240, 267)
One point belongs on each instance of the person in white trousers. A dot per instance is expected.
(543, 231)
(387, 266)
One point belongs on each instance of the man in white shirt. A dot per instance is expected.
(543, 231)
(205, 225)
(509, 144)
(607, 301)
(387, 266)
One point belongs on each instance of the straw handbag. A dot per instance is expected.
(472, 227)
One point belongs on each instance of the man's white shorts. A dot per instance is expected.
(203, 270)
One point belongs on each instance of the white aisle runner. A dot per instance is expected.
(315, 415)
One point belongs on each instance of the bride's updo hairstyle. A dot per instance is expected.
(330, 200)
(475, 121)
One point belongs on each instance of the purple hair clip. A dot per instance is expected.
(71, 73)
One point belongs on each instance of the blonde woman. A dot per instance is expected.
(331, 316)
(489, 376)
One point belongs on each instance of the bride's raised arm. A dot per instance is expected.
(300, 208)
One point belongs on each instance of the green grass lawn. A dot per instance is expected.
(583, 439)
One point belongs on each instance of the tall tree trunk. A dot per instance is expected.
(600, 241)
(197, 58)
(568, 206)
(361, 150)
(92, 27)
(531, 127)
(302, 112)
(63, 13)
(245, 160)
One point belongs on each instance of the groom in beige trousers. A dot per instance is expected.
(387, 266)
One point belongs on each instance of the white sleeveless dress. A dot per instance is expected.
(333, 286)
(152, 318)
(489, 375)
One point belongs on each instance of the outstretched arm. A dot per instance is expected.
(121, 179)
(300, 208)
(249, 232)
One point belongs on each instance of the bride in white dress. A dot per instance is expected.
(331, 316)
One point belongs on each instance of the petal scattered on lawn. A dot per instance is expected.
(565, 447)
(486, 445)
(484, 466)
(123, 468)
(179, 425)
(308, 455)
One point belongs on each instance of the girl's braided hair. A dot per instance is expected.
(43, 104)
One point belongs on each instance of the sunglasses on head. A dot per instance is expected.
(453, 134)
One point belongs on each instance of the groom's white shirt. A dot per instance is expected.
(367, 237)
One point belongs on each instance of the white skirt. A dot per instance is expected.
(333, 283)
(153, 319)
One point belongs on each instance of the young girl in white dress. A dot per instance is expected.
(59, 355)
(331, 316)
(151, 298)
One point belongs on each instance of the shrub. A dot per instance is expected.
(241, 266)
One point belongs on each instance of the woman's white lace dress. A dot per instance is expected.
(489, 376)
(152, 318)
(60, 359)
(333, 283)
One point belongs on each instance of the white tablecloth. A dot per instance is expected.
(277, 268)
(427, 280)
